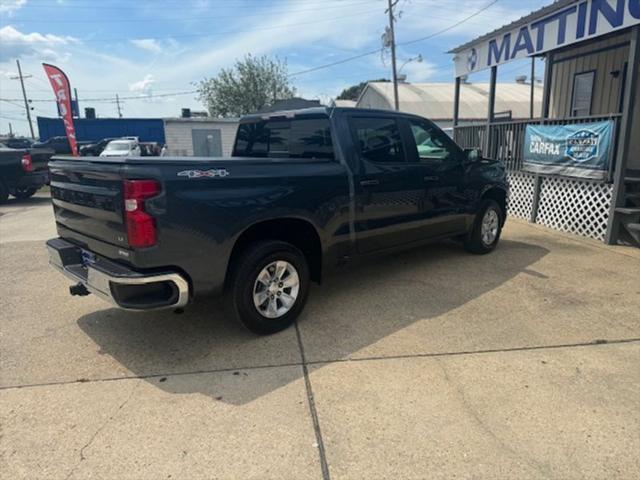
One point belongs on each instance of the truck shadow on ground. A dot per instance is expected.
(354, 309)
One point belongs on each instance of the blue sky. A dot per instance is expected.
(144, 48)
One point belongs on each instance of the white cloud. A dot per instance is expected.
(17, 44)
(148, 44)
(419, 71)
(144, 86)
(10, 6)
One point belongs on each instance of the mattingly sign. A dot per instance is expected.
(574, 23)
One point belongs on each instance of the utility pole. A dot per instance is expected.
(118, 103)
(10, 130)
(392, 41)
(75, 94)
(24, 95)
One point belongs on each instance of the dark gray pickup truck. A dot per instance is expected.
(22, 171)
(303, 192)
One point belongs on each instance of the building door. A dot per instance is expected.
(207, 143)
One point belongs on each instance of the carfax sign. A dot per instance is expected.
(579, 150)
(574, 23)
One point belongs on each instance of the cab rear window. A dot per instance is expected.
(285, 138)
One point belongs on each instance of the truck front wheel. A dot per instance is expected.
(269, 286)
(487, 227)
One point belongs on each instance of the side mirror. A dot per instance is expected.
(473, 154)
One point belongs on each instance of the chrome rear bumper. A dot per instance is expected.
(117, 283)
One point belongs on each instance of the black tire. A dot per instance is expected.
(243, 277)
(474, 242)
(4, 193)
(22, 193)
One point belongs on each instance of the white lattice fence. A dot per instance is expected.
(575, 206)
(521, 187)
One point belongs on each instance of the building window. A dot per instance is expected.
(582, 93)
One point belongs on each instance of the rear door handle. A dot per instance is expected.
(369, 183)
(431, 178)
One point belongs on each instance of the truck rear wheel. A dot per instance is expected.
(487, 227)
(269, 286)
(24, 192)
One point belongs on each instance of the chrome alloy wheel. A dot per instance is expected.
(490, 226)
(276, 289)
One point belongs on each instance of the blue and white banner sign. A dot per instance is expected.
(570, 23)
(578, 150)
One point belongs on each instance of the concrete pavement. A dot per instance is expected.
(427, 364)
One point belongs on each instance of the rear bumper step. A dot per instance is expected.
(115, 282)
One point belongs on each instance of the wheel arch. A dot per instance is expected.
(499, 195)
(299, 232)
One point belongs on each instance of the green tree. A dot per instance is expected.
(354, 91)
(250, 85)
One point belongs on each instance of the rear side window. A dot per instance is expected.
(298, 138)
(379, 139)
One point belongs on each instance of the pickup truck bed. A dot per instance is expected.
(304, 192)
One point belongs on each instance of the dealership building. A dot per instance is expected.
(576, 166)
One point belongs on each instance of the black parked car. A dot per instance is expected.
(303, 192)
(94, 149)
(60, 145)
(14, 142)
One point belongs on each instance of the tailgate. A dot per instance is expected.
(87, 198)
(40, 158)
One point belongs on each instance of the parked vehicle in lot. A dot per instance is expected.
(121, 147)
(17, 142)
(94, 149)
(60, 145)
(303, 192)
(22, 172)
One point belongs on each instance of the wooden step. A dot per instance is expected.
(628, 210)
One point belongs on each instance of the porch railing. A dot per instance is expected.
(506, 138)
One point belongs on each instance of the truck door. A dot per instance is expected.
(390, 191)
(447, 197)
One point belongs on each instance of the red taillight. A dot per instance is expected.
(141, 227)
(27, 163)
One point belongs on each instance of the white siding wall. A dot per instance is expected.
(180, 142)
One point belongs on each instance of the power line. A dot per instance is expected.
(450, 27)
(12, 102)
(112, 99)
(301, 72)
(378, 50)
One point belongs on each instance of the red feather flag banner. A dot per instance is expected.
(62, 90)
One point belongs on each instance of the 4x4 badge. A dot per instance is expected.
(220, 172)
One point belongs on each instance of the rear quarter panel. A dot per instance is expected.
(199, 219)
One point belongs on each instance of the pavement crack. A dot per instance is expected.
(100, 429)
(526, 348)
(324, 465)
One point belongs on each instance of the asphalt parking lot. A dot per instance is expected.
(427, 364)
